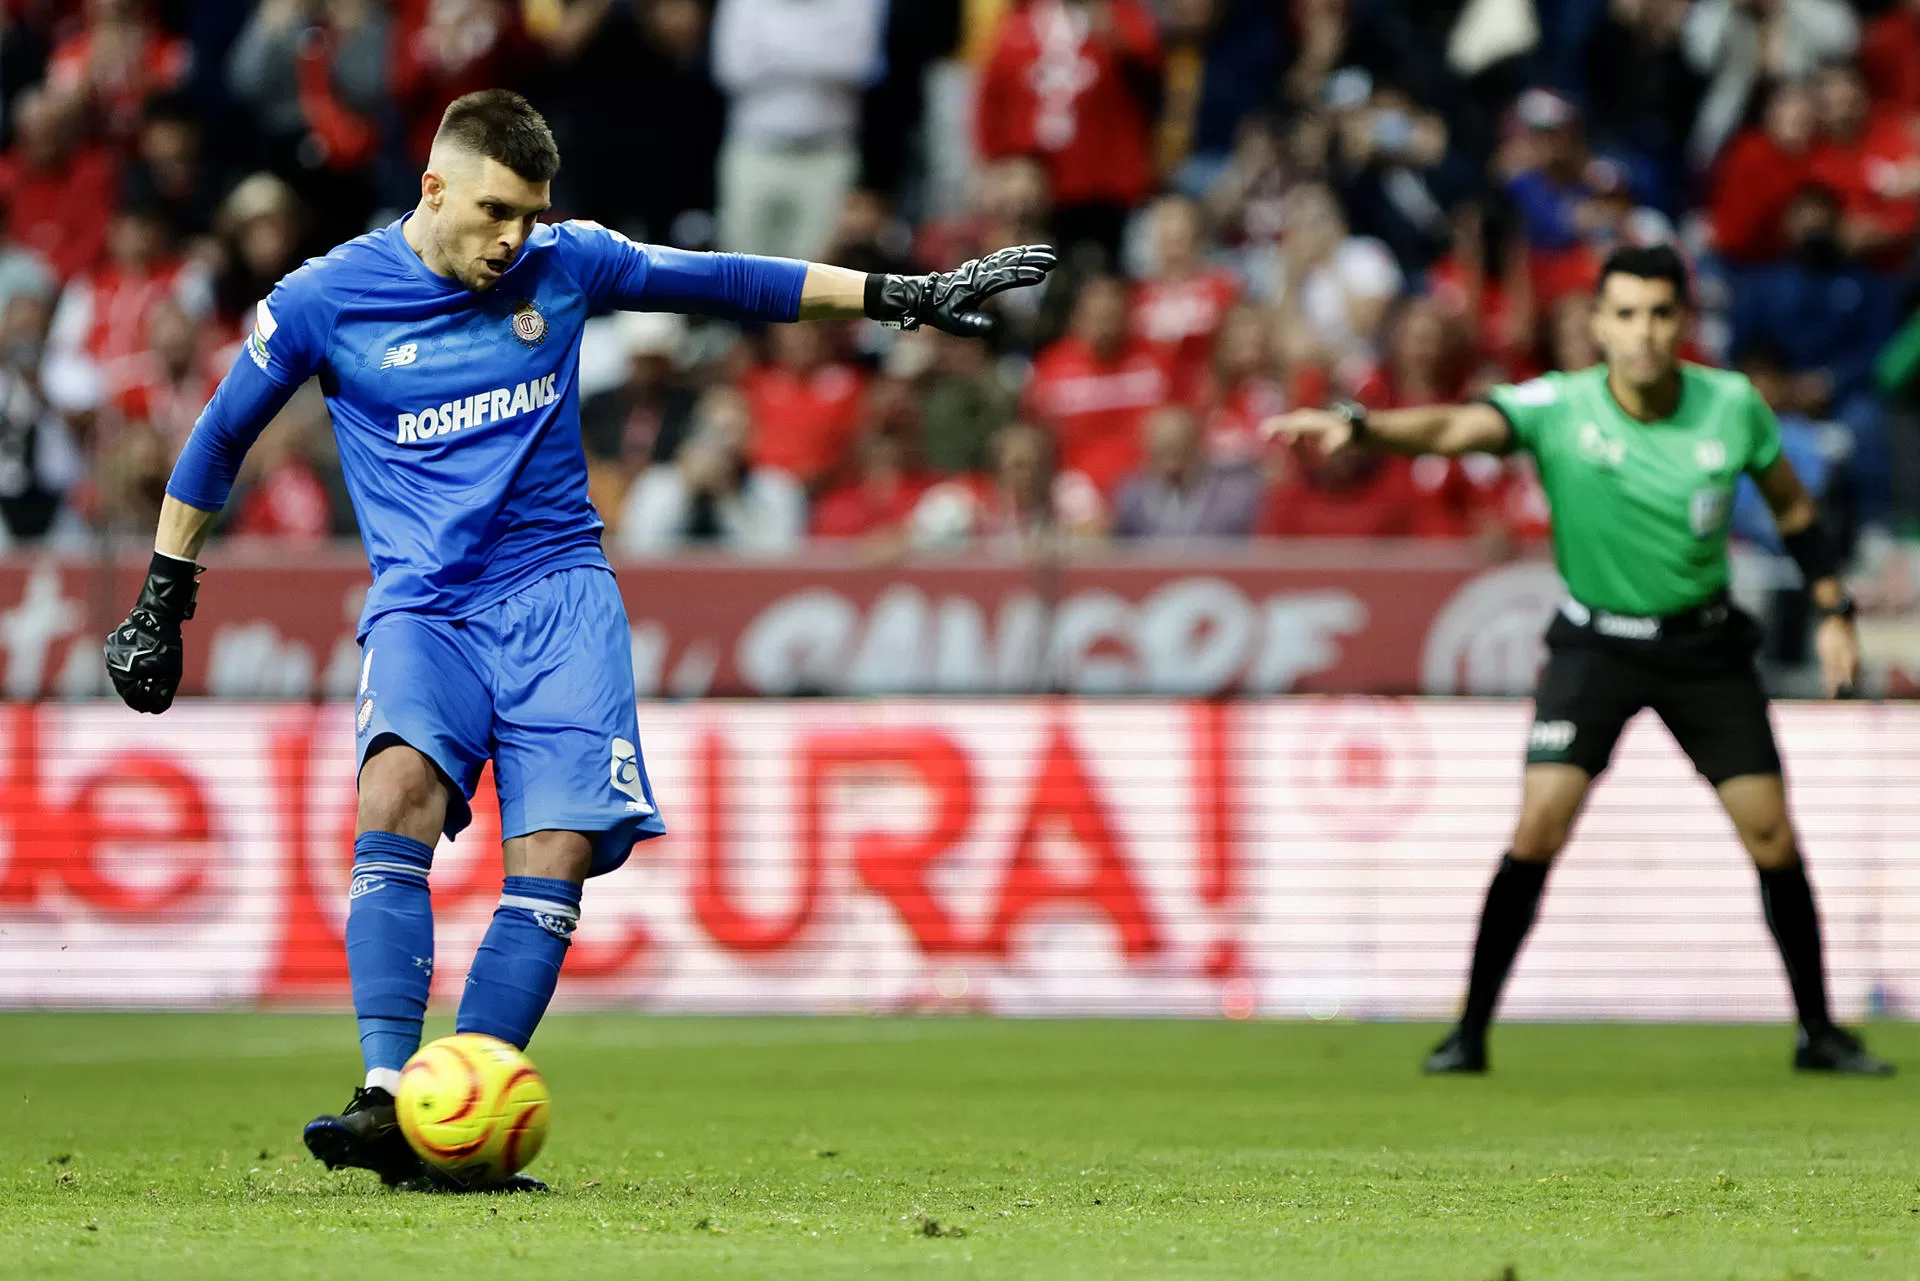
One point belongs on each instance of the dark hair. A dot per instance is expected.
(1648, 262)
(501, 125)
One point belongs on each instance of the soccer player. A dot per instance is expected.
(1639, 457)
(447, 346)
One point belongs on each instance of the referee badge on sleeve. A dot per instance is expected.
(529, 326)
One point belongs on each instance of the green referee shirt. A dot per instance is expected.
(1640, 510)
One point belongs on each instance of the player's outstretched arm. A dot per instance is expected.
(1797, 517)
(947, 300)
(1429, 429)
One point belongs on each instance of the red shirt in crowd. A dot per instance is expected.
(1181, 319)
(1096, 407)
(289, 502)
(1752, 187)
(1449, 497)
(143, 391)
(1054, 90)
(1376, 503)
(1890, 58)
(121, 85)
(114, 302)
(803, 423)
(60, 212)
(859, 508)
(1877, 175)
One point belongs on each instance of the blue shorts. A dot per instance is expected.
(541, 683)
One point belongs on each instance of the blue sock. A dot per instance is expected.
(389, 946)
(518, 965)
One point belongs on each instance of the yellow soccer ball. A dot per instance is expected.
(473, 1107)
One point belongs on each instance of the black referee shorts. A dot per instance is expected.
(1703, 685)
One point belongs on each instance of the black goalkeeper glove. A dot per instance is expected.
(144, 654)
(950, 300)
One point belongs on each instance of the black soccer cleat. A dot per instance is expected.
(1458, 1054)
(365, 1136)
(1834, 1050)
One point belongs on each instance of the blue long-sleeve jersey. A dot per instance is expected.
(458, 413)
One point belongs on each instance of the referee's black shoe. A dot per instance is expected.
(1459, 1053)
(1833, 1050)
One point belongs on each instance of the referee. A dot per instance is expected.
(1639, 457)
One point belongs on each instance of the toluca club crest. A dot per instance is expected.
(529, 326)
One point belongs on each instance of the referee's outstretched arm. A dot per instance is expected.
(1476, 428)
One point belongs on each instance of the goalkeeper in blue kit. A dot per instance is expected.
(448, 345)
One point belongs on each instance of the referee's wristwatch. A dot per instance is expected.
(1841, 608)
(1355, 415)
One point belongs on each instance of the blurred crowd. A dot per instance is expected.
(1261, 204)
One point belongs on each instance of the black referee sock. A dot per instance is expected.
(1512, 900)
(1787, 900)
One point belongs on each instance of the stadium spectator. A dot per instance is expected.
(1026, 507)
(1642, 95)
(1076, 83)
(615, 61)
(1095, 386)
(1563, 194)
(101, 322)
(1425, 365)
(793, 72)
(1739, 44)
(117, 61)
(1178, 308)
(169, 173)
(1826, 316)
(283, 495)
(1222, 59)
(1872, 164)
(443, 49)
(1349, 494)
(40, 462)
(258, 226)
(1181, 494)
(1568, 335)
(1890, 57)
(1330, 287)
(167, 384)
(805, 405)
(1245, 387)
(58, 190)
(315, 78)
(1247, 202)
(1759, 174)
(1388, 157)
(711, 495)
(963, 404)
(878, 500)
(1802, 440)
(22, 271)
(646, 418)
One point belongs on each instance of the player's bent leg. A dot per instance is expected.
(1551, 798)
(1757, 804)
(517, 968)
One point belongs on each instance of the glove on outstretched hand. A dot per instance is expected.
(950, 300)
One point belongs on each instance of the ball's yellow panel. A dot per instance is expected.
(474, 1107)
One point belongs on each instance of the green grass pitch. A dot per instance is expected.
(161, 1146)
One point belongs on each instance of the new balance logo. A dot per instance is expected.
(404, 354)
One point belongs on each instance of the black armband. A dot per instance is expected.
(1813, 551)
